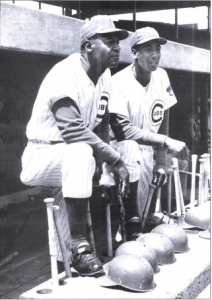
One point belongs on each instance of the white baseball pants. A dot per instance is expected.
(71, 166)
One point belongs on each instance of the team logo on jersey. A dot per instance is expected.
(157, 112)
(170, 90)
(103, 103)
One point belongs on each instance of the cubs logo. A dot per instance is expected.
(170, 90)
(103, 103)
(157, 112)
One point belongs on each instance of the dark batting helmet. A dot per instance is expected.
(162, 245)
(141, 250)
(199, 216)
(177, 236)
(129, 271)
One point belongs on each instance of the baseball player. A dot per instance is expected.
(68, 133)
(139, 113)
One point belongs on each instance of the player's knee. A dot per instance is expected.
(25, 179)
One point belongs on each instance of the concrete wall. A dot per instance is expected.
(34, 31)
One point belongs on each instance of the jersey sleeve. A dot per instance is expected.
(69, 122)
(60, 81)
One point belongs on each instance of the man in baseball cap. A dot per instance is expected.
(144, 35)
(101, 24)
(68, 135)
(139, 110)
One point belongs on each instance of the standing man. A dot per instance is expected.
(139, 117)
(68, 132)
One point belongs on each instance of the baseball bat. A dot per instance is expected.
(52, 240)
(201, 181)
(158, 199)
(193, 179)
(169, 191)
(177, 192)
(106, 195)
(152, 187)
(122, 213)
(61, 240)
(108, 181)
(182, 205)
(207, 157)
(189, 173)
(90, 229)
(109, 233)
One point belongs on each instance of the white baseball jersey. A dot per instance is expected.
(68, 78)
(144, 107)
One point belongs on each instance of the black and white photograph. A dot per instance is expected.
(105, 149)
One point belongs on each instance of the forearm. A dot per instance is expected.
(161, 157)
(124, 130)
(102, 130)
(73, 130)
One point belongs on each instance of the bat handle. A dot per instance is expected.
(152, 187)
(208, 164)
(61, 241)
(176, 181)
(52, 240)
(158, 200)
(193, 179)
(109, 233)
(90, 229)
(169, 191)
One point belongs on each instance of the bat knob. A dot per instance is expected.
(161, 175)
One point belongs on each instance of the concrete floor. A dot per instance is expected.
(32, 266)
(183, 279)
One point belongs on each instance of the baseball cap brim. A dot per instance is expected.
(162, 41)
(121, 34)
(106, 281)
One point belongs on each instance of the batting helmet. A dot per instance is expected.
(162, 245)
(129, 271)
(141, 250)
(199, 216)
(177, 236)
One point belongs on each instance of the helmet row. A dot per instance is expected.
(135, 262)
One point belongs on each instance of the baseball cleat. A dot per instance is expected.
(86, 263)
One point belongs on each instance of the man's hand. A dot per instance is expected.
(174, 145)
(160, 175)
(120, 169)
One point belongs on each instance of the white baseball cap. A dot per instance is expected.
(99, 25)
(144, 35)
